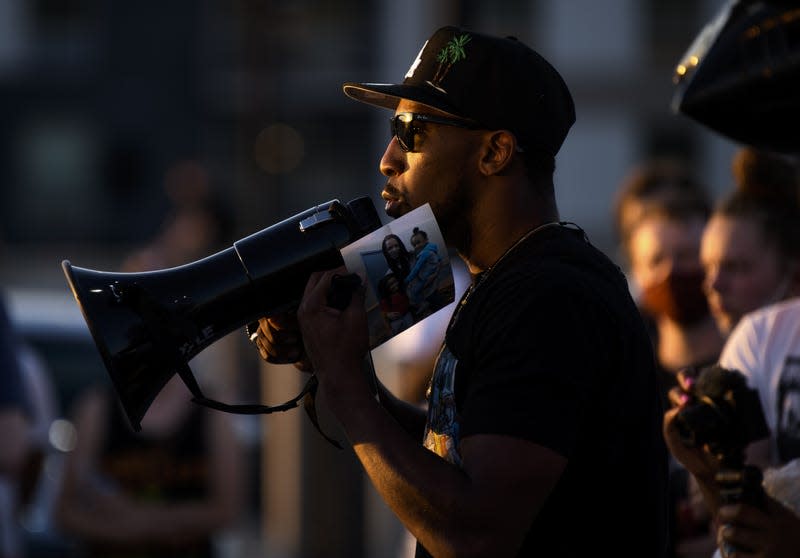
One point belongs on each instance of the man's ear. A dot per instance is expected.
(499, 147)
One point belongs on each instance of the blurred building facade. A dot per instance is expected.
(101, 99)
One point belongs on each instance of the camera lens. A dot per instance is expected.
(698, 424)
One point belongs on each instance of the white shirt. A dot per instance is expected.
(765, 347)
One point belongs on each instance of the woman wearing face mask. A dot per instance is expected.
(660, 214)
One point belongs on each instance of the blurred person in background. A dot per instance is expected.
(660, 213)
(167, 490)
(27, 409)
(750, 249)
(199, 222)
(173, 488)
(15, 433)
(764, 345)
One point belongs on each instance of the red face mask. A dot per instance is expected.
(679, 296)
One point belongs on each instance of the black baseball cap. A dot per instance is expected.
(498, 82)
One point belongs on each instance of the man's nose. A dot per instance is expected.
(393, 161)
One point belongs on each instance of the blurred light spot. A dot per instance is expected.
(279, 149)
(63, 435)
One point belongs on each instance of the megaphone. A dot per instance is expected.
(147, 326)
(740, 77)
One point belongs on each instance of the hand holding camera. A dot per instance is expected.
(720, 412)
(716, 416)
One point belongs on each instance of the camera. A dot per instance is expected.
(723, 414)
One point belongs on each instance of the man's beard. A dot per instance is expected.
(454, 215)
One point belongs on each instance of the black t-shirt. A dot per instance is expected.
(550, 347)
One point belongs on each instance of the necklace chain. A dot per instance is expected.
(481, 278)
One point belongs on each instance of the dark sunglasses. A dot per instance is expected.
(403, 128)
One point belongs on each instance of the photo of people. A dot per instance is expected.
(407, 270)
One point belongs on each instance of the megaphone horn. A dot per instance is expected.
(740, 77)
(147, 326)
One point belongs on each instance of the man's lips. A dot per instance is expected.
(394, 206)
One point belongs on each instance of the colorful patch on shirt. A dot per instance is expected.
(442, 428)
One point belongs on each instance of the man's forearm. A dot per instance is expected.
(411, 417)
(422, 489)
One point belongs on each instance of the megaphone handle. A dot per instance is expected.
(307, 394)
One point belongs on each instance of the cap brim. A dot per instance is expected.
(388, 95)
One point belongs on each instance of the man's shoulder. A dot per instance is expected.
(566, 255)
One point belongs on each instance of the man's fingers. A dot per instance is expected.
(358, 295)
(279, 340)
(315, 296)
(273, 333)
(285, 320)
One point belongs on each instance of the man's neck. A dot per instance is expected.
(495, 240)
(506, 209)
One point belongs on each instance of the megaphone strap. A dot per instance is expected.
(307, 395)
(310, 406)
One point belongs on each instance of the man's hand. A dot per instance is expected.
(279, 341)
(335, 341)
(318, 335)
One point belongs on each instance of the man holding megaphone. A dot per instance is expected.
(544, 398)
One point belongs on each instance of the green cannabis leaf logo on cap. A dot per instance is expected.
(451, 53)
